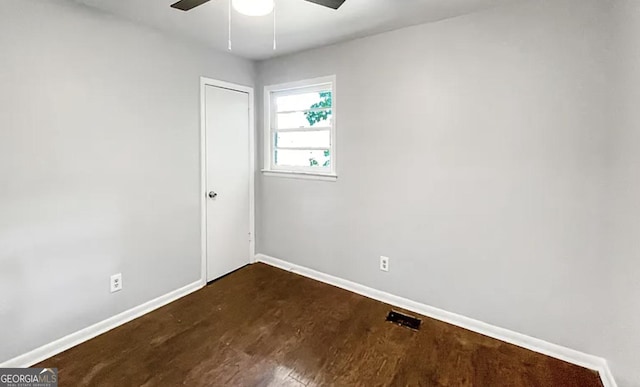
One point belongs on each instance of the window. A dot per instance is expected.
(300, 123)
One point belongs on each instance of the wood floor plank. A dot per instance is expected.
(262, 326)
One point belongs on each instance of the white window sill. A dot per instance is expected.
(300, 175)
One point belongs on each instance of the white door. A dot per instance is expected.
(227, 180)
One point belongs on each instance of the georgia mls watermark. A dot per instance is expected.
(28, 377)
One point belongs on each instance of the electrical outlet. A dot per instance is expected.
(116, 282)
(384, 263)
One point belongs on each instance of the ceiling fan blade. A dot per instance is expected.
(185, 5)
(335, 4)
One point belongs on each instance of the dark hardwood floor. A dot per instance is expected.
(262, 326)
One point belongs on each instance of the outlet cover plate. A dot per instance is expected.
(116, 282)
(384, 263)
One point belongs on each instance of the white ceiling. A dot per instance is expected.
(300, 25)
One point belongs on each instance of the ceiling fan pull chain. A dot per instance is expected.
(229, 25)
(274, 25)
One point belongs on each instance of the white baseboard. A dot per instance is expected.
(48, 350)
(559, 352)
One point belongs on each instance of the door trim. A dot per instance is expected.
(204, 82)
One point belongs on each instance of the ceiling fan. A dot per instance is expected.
(186, 5)
(252, 8)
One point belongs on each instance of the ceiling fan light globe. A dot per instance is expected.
(253, 7)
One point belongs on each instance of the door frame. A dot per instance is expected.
(204, 82)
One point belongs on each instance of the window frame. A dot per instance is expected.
(292, 88)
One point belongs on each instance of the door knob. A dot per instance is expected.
(212, 194)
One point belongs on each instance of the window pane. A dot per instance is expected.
(304, 101)
(302, 158)
(319, 139)
(315, 119)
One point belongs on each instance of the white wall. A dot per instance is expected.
(99, 166)
(474, 152)
(623, 251)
